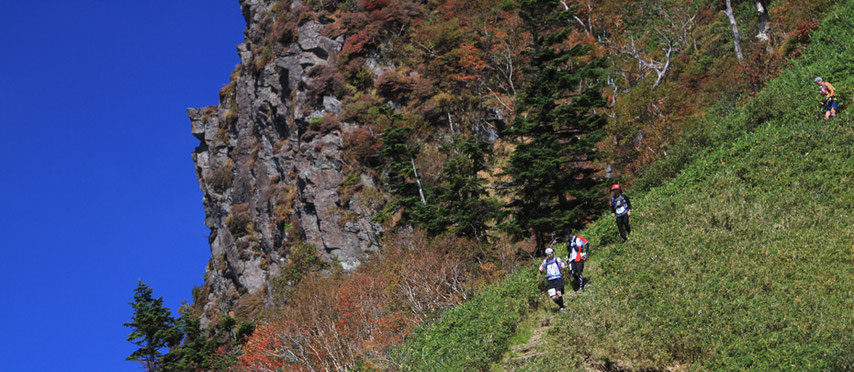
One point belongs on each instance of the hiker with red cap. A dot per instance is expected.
(621, 208)
(577, 248)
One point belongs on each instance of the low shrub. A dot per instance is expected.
(239, 222)
(325, 81)
(394, 85)
(325, 124)
(302, 259)
(223, 177)
(361, 147)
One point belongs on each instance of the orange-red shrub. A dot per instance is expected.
(335, 323)
(393, 85)
(325, 81)
(361, 146)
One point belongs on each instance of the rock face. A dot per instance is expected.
(269, 175)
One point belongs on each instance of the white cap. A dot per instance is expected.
(549, 250)
(817, 79)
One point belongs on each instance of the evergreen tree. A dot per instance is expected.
(153, 328)
(195, 352)
(398, 155)
(459, 203)
(555, 129)
(207, 349)
(462, 204)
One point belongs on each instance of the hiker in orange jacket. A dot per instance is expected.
(829, 93)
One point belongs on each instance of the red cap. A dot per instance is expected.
(615, 187)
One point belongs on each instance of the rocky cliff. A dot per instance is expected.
(270, 165)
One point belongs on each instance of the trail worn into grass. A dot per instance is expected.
(528, 341)
(530, 348)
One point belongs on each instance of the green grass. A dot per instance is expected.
(470, 336)
(745, 259)
(742, 254)
(523, 332)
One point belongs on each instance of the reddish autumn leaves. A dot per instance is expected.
(335, 323)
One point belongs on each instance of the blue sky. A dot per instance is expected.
(97, 183)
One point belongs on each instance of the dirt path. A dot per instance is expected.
(525, 354)
(529, 355)
(530, 348)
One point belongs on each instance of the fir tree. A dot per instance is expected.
(399, 173)
(555, 129)
(462, 205)
(398, 155)
(153, 328)
(458, 204)
(206, 349)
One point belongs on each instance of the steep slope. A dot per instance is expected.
(336, 104)
(744, 260)
(294, 151)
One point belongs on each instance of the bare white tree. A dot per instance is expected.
(764, 21)
(502, 61)
(674, 34)
(644, 63)
(418, 179)
(588, 26)
(736, 36)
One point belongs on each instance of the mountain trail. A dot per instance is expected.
(527, 351)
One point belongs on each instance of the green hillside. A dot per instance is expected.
(742, 253)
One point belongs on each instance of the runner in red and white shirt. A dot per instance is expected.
(577, 248)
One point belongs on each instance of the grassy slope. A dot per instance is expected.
(472, 335)
(744, 260)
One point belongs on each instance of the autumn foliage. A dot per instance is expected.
(257, 355)
(394, 85)
(456, 66)
(338, 322)
(325, 80)
(361, 146)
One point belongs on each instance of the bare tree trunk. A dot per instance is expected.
(764, 24)
(764, 21)
(736, 37)
(418, 180)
